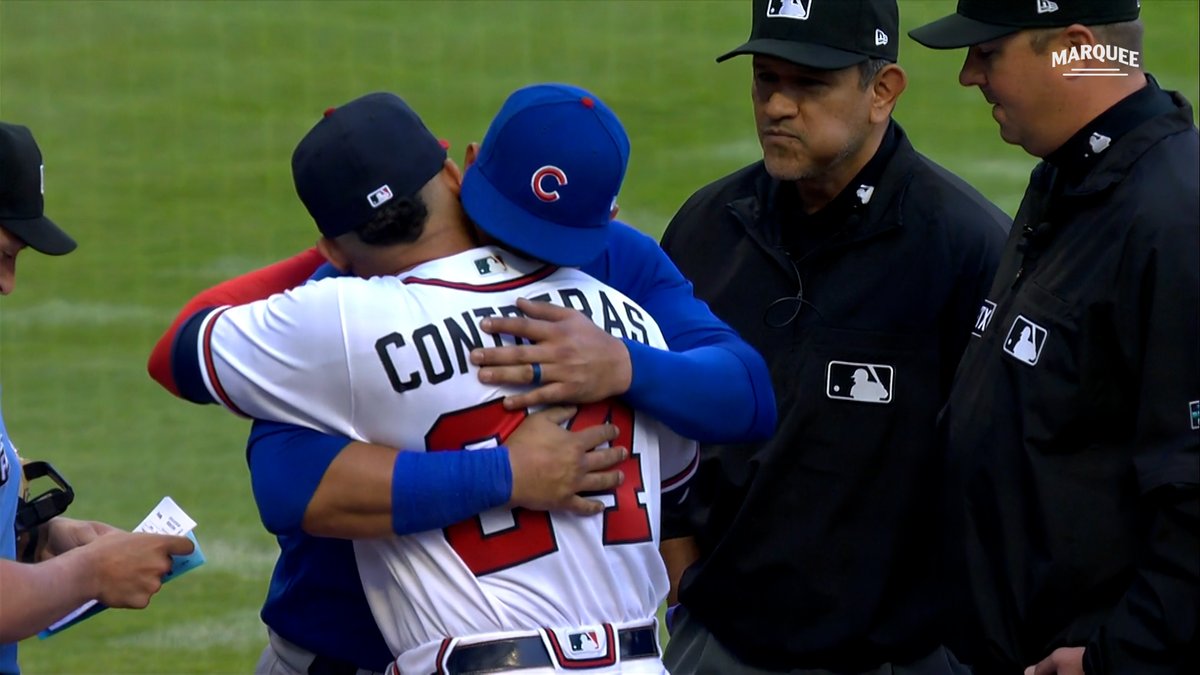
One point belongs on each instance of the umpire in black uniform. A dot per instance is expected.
(1073, 423)
(856, 266)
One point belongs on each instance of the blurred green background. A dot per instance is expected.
(168, 128)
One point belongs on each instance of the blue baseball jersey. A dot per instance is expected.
(10, 490)
(316, 599)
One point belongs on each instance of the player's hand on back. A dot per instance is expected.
(128, 567)
(579, 362)
(551, 465)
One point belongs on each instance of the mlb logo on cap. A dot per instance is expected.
(823, 34)
(380, 197)
(359, 157)
(548, 174)
(792, 9)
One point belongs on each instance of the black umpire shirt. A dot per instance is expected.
(1074, 454)
(818, 547)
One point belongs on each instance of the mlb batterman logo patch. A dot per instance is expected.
(1025, 341)
(1194, 409)
(789, 9)
(380, 197)
(490, 265)
(584, 647)
(865, 382)
(585, 642)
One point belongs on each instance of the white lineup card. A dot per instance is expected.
(166, 518)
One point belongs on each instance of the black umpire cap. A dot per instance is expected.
(22, 182)
(824, 34)
(977, 21)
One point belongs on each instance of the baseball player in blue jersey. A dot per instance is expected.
(316, 609)
(63, 562)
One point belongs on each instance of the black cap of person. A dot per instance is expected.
(21, 186)
(359, 157)
(977, 21)
(824, 34)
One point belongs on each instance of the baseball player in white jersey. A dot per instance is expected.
(382, 356)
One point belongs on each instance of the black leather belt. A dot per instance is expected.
(530, 652)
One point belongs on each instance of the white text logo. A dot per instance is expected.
(1110, 54)
(986, 310)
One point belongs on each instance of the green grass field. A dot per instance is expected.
(168, 129)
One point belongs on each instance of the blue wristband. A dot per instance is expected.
(432, 490)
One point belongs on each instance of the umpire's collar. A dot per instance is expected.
(1085, 150)
(782, 198)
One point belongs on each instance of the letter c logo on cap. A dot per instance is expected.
(540, 176)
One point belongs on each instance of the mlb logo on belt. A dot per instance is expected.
(586, 643)
(584, 647)
(865, 382)
(1025, 341)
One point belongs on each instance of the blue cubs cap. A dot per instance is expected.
(361, 156)
(548, 174)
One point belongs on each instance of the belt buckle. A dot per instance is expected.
(585, 646)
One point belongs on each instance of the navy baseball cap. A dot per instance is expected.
(823, 34)
(359, 157)
(977, 21)
(548, 174)
(22, 184)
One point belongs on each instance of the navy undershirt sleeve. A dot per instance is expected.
(186, 365)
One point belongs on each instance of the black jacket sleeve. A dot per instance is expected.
(1154, 627)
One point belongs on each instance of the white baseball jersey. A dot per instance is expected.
(385, 360)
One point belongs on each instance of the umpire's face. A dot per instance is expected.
(10, 246)
(1027, 96)
(809, 121)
